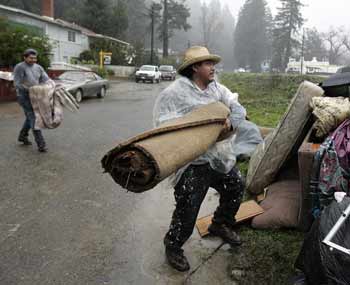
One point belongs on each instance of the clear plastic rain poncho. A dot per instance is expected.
(183, 96)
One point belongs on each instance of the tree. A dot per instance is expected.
(193, 36)
(27, 5)
(335, 44)
(314, 45)
(251, 35)
(175, 15)
(15, 39)
(69, 10)
(226, 40)
(95, 15)
(287, 23)
(138, 21)
(119, 20)
(211, 23)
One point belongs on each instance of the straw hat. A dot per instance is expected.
(197, 54)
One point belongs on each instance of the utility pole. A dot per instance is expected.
(165, 28)
(153, 12)
(152, 33)
(302, 53)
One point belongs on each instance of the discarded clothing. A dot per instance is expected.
(47, 101)
(190, 192)
(330, 113)
(141, 162)
(331, 168)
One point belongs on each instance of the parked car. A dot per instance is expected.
(83, 83)
(167, 72)
(344, 69)
(148, 73)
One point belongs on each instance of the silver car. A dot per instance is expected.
(83, 83)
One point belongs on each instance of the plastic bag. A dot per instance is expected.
(320, 264)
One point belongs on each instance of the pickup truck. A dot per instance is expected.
(148, 73)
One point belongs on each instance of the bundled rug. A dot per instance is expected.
(141, 162)
(48, 101)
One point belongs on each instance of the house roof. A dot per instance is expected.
(90, 33)
(61, 23)
(37, 17)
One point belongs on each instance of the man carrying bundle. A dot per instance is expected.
(27, 74)
(215, 168)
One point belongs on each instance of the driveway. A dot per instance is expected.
(63, 221)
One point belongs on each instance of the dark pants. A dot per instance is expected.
(190, 192)
(29, 122)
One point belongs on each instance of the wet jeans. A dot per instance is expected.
(190, 192)
(24, 101)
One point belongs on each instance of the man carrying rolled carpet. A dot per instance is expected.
(215, 168)
(27, 74)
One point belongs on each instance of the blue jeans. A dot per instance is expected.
(26, 105)
(29, 123)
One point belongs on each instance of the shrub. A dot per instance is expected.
(110, 72)
(15, 39)
(86, 55)
(100, 71)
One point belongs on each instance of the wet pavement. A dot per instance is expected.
(62, 221)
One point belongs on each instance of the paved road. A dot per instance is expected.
(62, 221)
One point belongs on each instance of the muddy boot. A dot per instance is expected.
(23, 137)
(176, 259)
(39, 139)
(225, 232)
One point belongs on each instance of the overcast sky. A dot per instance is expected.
(319, 13)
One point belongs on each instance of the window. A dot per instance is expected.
(71, 36)
(90, 76)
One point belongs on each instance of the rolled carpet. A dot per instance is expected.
(141, 162)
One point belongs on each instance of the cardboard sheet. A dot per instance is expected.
(247, 210)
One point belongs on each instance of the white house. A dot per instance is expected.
(311, 67)
(68, 39)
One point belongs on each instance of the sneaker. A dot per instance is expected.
(225, 232)
(177, 259)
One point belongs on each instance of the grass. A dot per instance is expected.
(266, 257)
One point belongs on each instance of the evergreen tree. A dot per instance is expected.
(211, 23)
(119, 20)
(95, 15)
(69, 10)
(138, 21)
(33, 6)
(287, 23)
(175, 15)
(251, 35)
(182, 39)
(226, 41)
